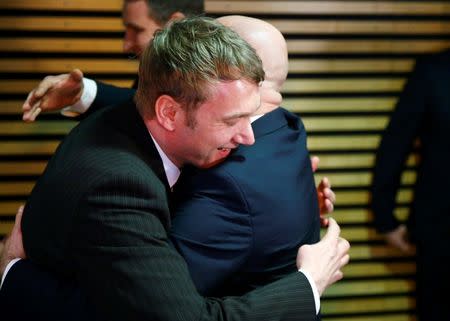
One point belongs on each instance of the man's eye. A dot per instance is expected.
(231, 122)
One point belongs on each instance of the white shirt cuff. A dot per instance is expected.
(8, 267)
(314, 290)
(86, 100)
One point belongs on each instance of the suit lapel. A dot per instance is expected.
(128, 120)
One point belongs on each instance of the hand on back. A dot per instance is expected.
(324, 260)
(13, 244)
(325, 194)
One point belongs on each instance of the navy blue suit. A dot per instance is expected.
(239, 225)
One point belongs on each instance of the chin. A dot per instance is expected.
(212, 163)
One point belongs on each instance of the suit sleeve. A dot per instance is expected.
(130, 271)
(108, 95)
(32, 293)
(221, 246)
(396, 143)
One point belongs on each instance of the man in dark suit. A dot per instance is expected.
(112, 221)
(141, 18)
(423, 111)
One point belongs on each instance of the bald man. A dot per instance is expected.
(239, 224)
(260, 204)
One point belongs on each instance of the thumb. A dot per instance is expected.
(18, 220)
(76, 75)
(333, 231)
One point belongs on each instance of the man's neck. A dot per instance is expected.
(171, 169)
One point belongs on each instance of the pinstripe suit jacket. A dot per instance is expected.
(99, 214)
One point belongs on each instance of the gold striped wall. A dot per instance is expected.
(348, 63)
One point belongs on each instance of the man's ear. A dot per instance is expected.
(167, 111)
(177, 15)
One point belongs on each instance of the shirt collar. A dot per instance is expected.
(253, 118)
(171, 170)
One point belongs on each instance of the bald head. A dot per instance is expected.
(271, 47)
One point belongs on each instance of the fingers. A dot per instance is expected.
(333, 231)
(49, 92)
(325, 183)
(46, 84)
(19, 214)
(326, 197)
(344, 260)
(325, 259)
(343, 246)
(326, 207)
(30, 115)
(338, 274)
(330, 195)
(325, 188)
(31, 107)
(314, 163)
(17, 228)
(323, 221)
(402, 242)
(29, 101)
(398, 238)
(341, 259)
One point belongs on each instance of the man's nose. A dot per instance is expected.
(128, 43)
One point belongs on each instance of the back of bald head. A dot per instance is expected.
(268, 42)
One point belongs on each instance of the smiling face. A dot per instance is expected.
(198, 86)
(139, 26)
(221, 124)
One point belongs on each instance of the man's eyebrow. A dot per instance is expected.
(239, 115)
(132, 25)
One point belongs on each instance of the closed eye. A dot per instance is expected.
(231, 122)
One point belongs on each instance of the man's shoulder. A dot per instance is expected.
(110, 142)
(282, 115)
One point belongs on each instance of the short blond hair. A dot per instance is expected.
(187, 57)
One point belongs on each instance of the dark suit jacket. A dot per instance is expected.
(423, 111)
(99, 215)
(109, 95)
(239, 225)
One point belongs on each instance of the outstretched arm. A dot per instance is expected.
(73, 92)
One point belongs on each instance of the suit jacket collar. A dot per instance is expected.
(129, 121)
(272, 121)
